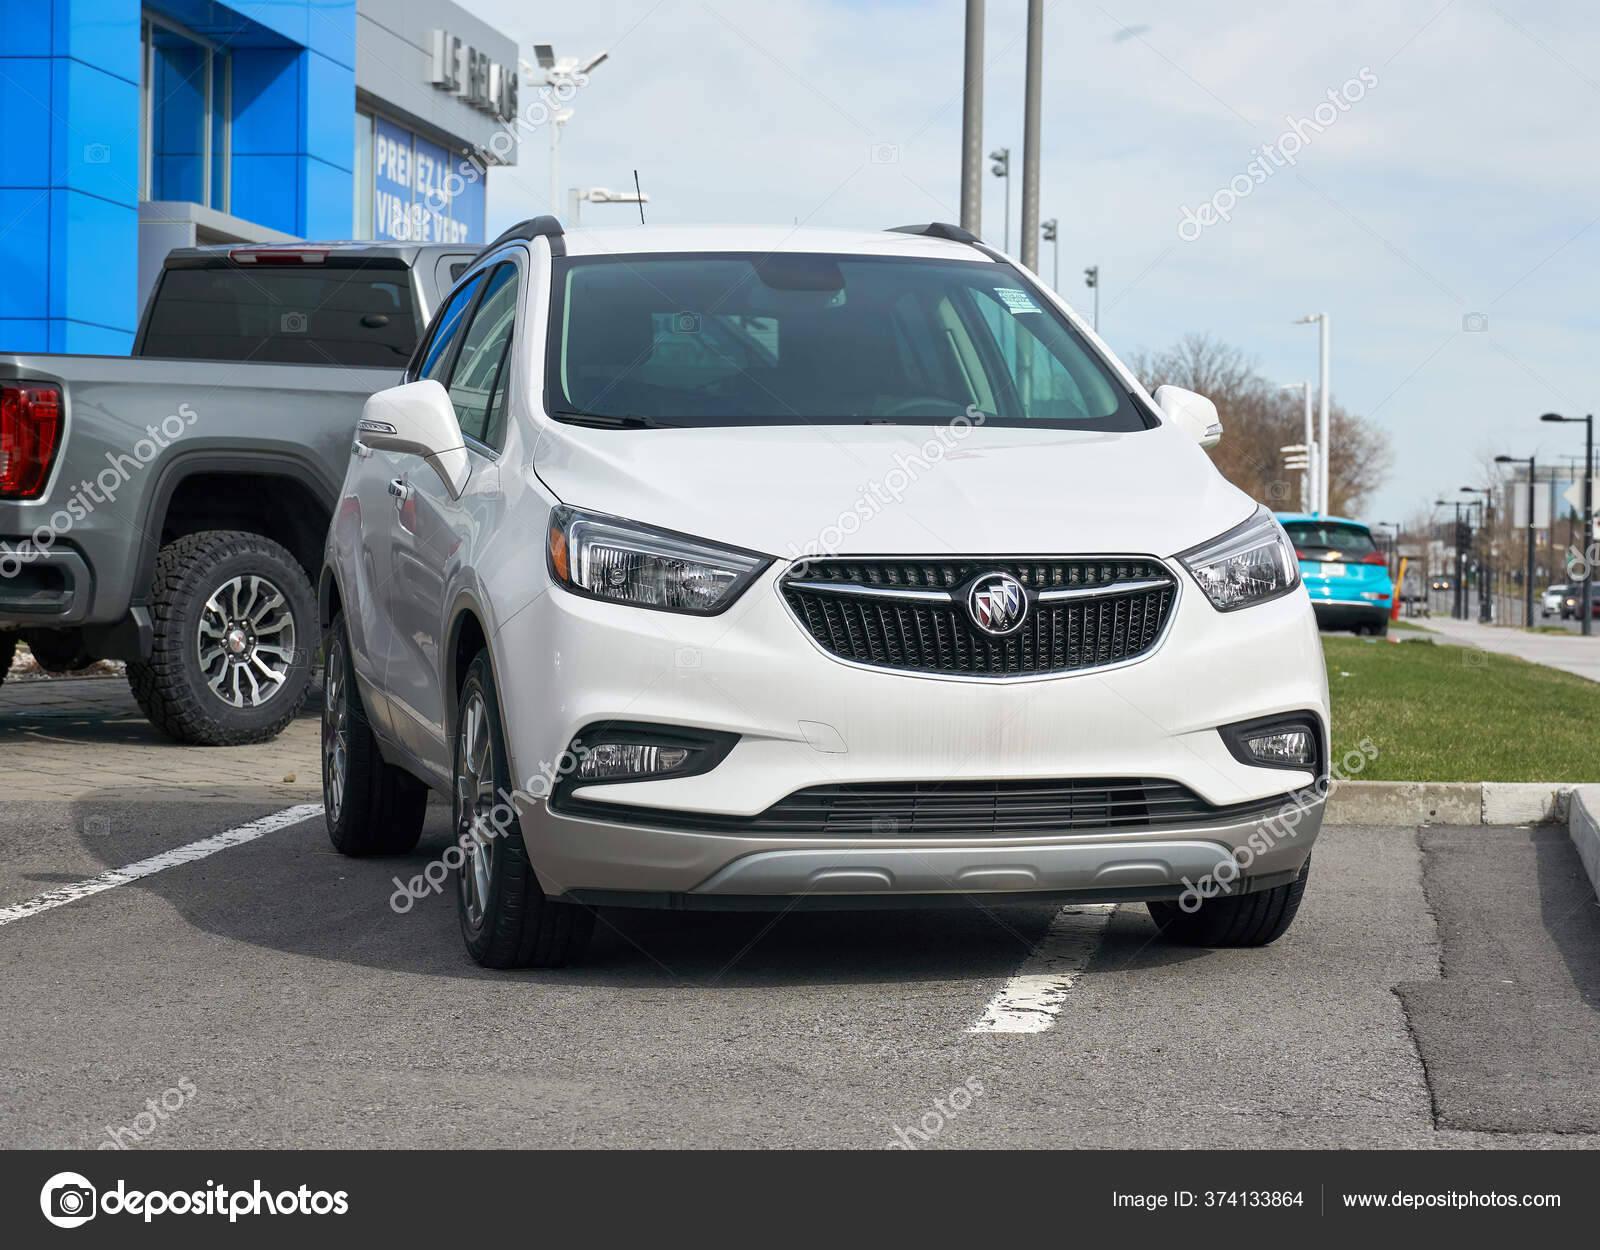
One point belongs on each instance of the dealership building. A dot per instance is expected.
(128, 129)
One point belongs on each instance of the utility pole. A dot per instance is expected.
(972, 123)
(1033, 89)
(1002, 169)
(1091, 279)
(1324, 446)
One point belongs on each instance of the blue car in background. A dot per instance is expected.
(1345, 572)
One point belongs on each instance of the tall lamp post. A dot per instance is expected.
(1047, 230)
(561, 75)
(1483, 561)
(1091, 279)
(1527, 588)
(1324, 447)
(1588, 510)
(1002, 169)
(1308, 495)
(972, 123)
(1458, 591)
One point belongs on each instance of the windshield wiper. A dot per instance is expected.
(612, 421)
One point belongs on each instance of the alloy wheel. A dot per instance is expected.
(475, 784)
(245, 642)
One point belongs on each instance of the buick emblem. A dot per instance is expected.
(997, 603)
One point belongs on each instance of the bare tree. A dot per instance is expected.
(1258, 418)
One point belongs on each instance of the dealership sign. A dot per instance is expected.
(471, 76)
(421, 192)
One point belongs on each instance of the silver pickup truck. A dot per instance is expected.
(169, 508)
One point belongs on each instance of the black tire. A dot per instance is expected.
(59, 650)
(173, 688)
(506, 919)
(8, 651)
(370, 807)
(1243, 920)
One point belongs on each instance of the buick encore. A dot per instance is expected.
(761, 568)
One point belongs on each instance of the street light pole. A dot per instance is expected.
(1091, 279)
(1032, 90)
(1047, 229)
(972, 123)
(1002, 169)
(1482, 556)
(1324, 447)
(1533, 476)
(1588, 512)
(1308, 483)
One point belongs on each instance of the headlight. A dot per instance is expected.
(1249, 564)
(608, 558)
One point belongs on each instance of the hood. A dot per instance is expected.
(900, 490)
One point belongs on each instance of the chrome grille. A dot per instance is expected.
(911, 615)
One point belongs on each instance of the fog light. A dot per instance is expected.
(612, 761)
(1285, 746)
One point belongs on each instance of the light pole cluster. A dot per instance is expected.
(562, 75)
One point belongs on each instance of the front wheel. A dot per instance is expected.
(1241, 920)
(234, 633)
(506, 919)
(370, 806)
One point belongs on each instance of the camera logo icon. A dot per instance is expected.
(96, 154)
(686, 323)
(884, 154)
(293, 323)
(1474, 323)
(67, 1200)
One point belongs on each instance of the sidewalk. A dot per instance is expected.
(1572, 653)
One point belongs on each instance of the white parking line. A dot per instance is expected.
(156, 863)
(1030, 1001)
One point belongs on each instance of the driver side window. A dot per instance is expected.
(439, 354)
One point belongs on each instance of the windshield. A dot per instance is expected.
(1345, 540)
(329, 314)
(785, 338)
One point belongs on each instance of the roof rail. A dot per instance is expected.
(544, 226)
(939, 230)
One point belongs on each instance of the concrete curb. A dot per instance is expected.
(1584, 829)
(1450, 803)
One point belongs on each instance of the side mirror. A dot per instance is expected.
(1194, 414)
(419, 420)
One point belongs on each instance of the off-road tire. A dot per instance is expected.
(519, 927)
(1242, 920)
(379, 809)
(170, 686)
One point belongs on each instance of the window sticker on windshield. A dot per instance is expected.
(1017, 301)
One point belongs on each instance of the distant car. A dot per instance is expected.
(1345, 572)
(1440, 583)
(1572, 604)
(1554, 600)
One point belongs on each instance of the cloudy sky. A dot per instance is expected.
(1448, 219)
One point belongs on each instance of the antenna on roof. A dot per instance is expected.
(640, 195)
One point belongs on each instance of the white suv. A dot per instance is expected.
(755, 568)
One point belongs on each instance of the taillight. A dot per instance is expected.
(30, 431)
(1375, 557)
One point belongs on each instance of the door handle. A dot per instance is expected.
(399, 489)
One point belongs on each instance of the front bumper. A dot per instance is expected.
(805, 719)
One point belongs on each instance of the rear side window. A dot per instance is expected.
(482, 356)
(440, 352)
(357, 314)
(1347, 540)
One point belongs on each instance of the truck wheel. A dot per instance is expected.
(234, 623)
(58, 650)
(1243, 920)
(371, 808)
(8, 650)
(506, 919)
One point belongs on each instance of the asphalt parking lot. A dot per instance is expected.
(1440, 988)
